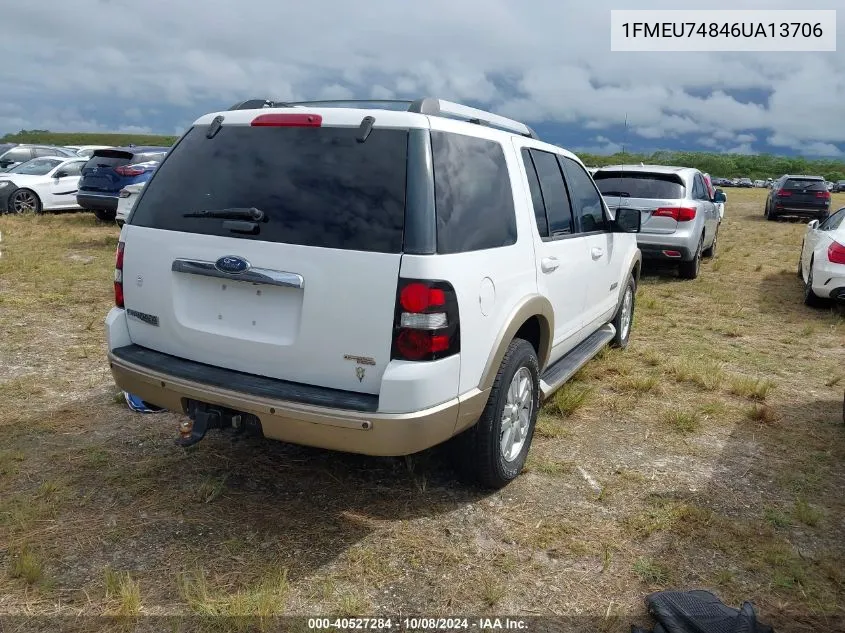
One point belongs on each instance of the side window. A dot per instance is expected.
(73, 169)
(834, 221)
(586, 199)
(555, 195)
(18, 155)
(472, 194)
(536, 194)
(698, 188)
(42, 151)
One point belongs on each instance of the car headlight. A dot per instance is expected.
(4, 183)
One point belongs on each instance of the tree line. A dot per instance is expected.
(754, 166)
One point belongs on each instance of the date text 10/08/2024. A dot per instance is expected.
(418, 624)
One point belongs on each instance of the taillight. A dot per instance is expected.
(426, 324)
(783, 193)
(118, 275)
(823, 194)
(287, 120)
(129, 170)
(836, 253)
(679, 214)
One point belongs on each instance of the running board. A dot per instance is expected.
(566, 367)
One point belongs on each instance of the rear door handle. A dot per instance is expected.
(596, 253)
(548, 264)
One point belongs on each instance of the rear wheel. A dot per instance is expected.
(105, 216)
(25, 201)
(690, 269)
(624, 318)
(493, 452)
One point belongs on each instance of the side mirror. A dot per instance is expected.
(813, 225)
(720, 196)
(60, 174)
(627, 220)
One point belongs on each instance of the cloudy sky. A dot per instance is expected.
(154, 66)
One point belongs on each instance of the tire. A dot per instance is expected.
(711, 252)
(623, 321)
(105, 216)
(690, 269)
(481, 448)
(25, 201)
(811, 299)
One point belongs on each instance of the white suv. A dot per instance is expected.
(365, 279)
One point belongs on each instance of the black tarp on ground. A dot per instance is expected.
(699, 612)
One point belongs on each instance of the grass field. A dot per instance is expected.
(709, 454)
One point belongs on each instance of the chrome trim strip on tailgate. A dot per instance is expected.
(253, 275)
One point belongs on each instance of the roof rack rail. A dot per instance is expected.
(429, 105)
(256, 104)
(439, 107)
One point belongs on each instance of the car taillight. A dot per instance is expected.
(129, 170)
(287, 120)
(118, 275)
(783, 193)
(426, 324)
(679, 214)
(823, 194)
(836, 253)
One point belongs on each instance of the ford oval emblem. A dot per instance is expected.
(232, 264)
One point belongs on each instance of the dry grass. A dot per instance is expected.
(714, 444)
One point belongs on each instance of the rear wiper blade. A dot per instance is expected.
(235, 213)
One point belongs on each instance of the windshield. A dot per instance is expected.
(638, 185)
(36, 167)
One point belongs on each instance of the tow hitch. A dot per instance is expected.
(203, 417)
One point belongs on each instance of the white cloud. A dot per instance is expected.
(181, 59)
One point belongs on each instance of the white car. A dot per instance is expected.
(367, 280)
(41, 184)
(822, 263)
(126, 200)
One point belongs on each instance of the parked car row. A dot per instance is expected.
(91, 177)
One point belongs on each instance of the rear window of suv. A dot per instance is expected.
(316, 186)
(810, 184)
(639, 185)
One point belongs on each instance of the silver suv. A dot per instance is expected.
(680, 221)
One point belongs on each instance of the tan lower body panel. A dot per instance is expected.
(386, 434)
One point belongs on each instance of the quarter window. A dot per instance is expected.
(472, 194)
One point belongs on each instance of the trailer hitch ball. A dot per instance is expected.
(185, 428)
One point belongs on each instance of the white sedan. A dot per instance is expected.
(41, 184)
(126, 199)
(822, 263)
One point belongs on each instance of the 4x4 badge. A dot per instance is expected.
(359, 371)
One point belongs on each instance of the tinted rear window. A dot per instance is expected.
(109, 159)
(316, 186)
(638, 185)
(472, 192)
(810, 184)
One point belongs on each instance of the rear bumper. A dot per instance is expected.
(368, 433)
(665, 252)
(801, 210)
(96, 202)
